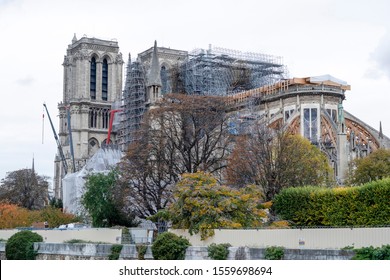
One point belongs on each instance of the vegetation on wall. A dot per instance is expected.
(371, 253)
(366, 205)
(20, 246)
(218, 251)
(115, 252)
(274, 253)
(141, 250)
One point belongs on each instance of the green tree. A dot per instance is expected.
(375, 166)
(103, 200)
(201, 205)
(56, 202)
(274, 159)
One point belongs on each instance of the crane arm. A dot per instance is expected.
(61, 152)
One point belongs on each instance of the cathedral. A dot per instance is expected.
(99, 110)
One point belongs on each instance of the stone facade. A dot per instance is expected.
(92, 87)
(311, 106)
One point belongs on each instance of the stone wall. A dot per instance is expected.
(85, 251)
(2, 250)
(96, 235)
(88, 251)
(246, 253)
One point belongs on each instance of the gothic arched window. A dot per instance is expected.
(105, 118)
(92, 118)
(92, 85)
(105, 80)
(310, 124)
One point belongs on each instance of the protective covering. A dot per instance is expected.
(324, 78)
(73, 184)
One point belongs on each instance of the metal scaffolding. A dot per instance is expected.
(215, 71)
(219, 71)
(133, 101)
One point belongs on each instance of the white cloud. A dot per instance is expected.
(27, 81)
(381, 55)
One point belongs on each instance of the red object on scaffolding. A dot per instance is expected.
(112, 113)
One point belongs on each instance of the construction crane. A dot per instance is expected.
(60, 151)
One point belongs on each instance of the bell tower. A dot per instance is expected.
(92, 86)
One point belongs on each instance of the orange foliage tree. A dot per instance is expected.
(13, 216)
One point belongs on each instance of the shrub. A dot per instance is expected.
(371, 253)
(20, 246)
(218, 252)
(115, 252)
(74, 241)
(55, 217)
(169, 246)
(274, 253)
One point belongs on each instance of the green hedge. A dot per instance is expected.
(371, 253)
(20, 246)
(366, 205)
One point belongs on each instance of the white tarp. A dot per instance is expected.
(73, 184)
(323, 78)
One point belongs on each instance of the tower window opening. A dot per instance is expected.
(105, 116)
(92, 85)
(105, 80)
(92, 118)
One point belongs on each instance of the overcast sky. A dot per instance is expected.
(348, 39)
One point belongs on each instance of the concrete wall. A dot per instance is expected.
(246, 253)
(80, 251)
(315, 238)
(63, 251)
(101, 235)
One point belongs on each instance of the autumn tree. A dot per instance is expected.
(104, 202)
(202, 205)
(25, 188)
(375, 166)
(274, 159)
(181, 134)
(13, 216)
